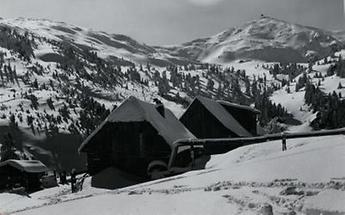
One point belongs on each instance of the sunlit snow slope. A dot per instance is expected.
(239, 182)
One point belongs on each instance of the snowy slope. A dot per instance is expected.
(340, 35)
(265, 39)
(99, 65)
(294, 101)
(103, 60)
(239, 182)
(57, 83)
(295, 104)
(253, 37)
(69, 62)
(106, 45)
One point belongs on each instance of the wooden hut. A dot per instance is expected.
(245, 115)
(22, 173)
(132, 136)
(207, 118)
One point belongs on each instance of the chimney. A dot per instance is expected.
(159, 107)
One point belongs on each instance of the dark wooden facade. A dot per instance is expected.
(134, 135)
(129, 146)
(12, 177)
(207, 118)
(203, 124)
(247, 117)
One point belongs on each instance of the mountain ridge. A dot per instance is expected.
(268, 39)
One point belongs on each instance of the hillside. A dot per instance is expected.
(327, 79)
(59, 81)
(266, 39)
(340, 35)
(57, 85)
(243, 181)
(55, 76)
(118, 48)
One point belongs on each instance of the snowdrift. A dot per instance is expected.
(308, 178)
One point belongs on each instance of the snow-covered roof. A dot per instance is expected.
(223, 116)
(238, 106)
(30, 166)
(135, 110)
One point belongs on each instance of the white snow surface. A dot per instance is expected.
(329, 200)
(294, 101)
(309, 176)
(262, 38)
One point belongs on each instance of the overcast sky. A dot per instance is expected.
(158, 22)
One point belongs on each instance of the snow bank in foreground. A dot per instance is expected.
(308, 177)
(11, 202)
(309, 160)
(186, 203)
(327, 202)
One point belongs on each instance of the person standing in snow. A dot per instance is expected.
(192, 156)
(283, 142)
(73, 181)
(63, 179)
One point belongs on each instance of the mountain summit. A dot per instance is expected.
(267, 39)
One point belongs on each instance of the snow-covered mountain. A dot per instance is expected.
(267, 39)
(51, 73)
(46, 62)
(60, 79)
(108, 46)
